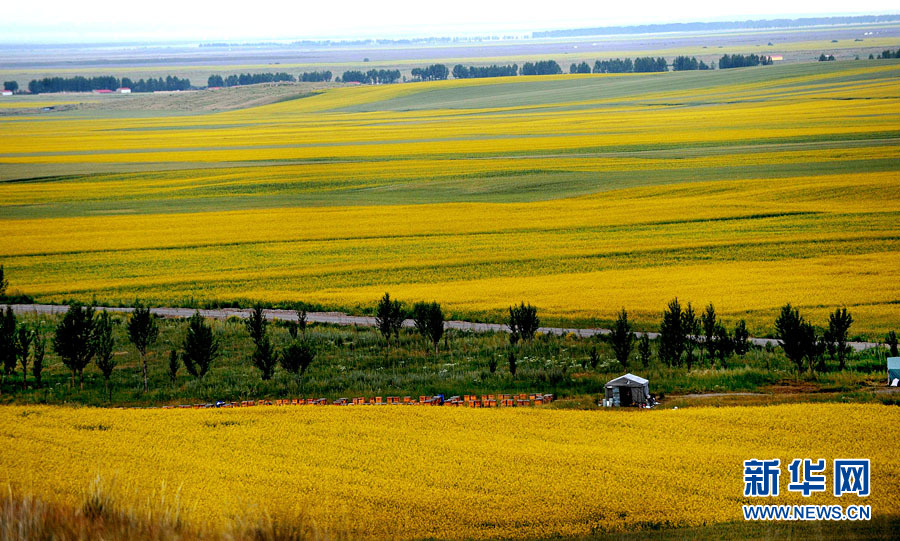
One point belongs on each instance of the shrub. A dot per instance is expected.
(297, 357)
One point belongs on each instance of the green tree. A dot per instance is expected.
(429, 320)
(200, 346)
(723, 344)
(104, 342)
(12, 86)
(37, 365)
(264, 358)
(24, 338)
(4, 283)
(622, 338)
(837, 335)
(389, 318)
(594, 358)
(74, 341)
(143, 331)
(173, 366)
(708, 322)
(297, 357)
(891, 340)
(511, 360)
(672, 334)
(690, 325)
(523, 322)
(257, 325)
(644, 350)
(8, 341)
(741, 338)
(792, 335)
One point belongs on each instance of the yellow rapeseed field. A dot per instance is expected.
(446, 473)
(754, 189)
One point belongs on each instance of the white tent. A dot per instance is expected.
(893, 367)
(628, 390)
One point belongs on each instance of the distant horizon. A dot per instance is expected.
(115, 26)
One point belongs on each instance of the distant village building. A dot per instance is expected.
(776, 57)
(103, 91)
(6, 93)
(123, 90)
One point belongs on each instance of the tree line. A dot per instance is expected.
(475, 72)
(250, 79)
(644, 64)
(542, 67)
(84, 84)
(434, 72)
(743, 61)
(373, 76)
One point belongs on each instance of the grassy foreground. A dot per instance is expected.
(412, 473)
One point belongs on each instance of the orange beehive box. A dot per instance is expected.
(378, 400)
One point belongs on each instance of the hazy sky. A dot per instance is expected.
(127, 20)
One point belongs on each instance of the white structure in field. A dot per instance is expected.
(6, 92)
(123, 90)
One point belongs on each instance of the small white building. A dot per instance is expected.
(123, 90)
(6, 92)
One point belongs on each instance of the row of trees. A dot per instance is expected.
(83, 336)
(803, 344)
(434, 72)
(475, 72)
(250, 79)
(542, 67)
(84, 84)
(683, 63)
(886, 54)
(374, 77)
(742, 61)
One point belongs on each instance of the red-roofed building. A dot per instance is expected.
(103, 91)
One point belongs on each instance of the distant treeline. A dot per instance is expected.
(256, 78)
(543, 67)
(643, 64)
(473, 72)
(712, 26)
(85, 84)
(434, 72)
(741, 61)
(374, 77)
(683, 63)
(887, 53)
(249, 79)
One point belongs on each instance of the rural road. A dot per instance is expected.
(339, 318)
